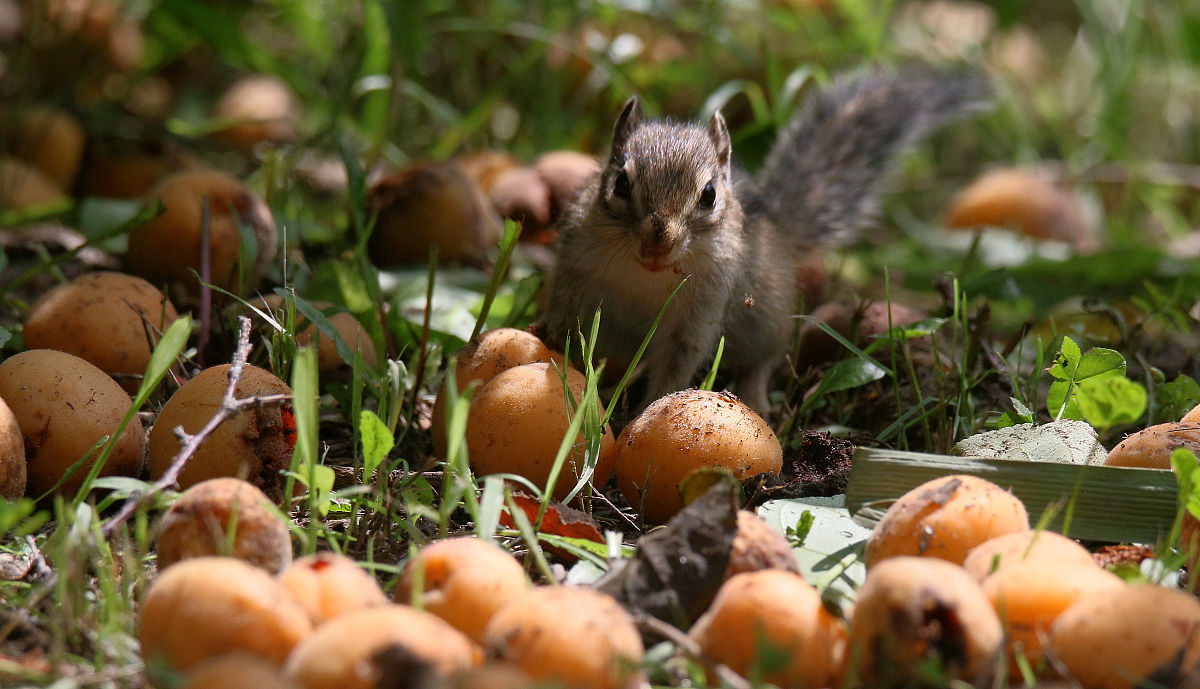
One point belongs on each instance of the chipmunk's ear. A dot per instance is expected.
(630, 116)
(719, 133)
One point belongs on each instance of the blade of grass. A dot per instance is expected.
(512, 232)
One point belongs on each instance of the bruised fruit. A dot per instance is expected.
(916, 612)
(518, 420)
(237, 671)
(224, 516)
(12, 455)
(259, 108)
(64, 406)
(168, 248)
(1151, 448)
(566, 173)
(345, 652)
(255, 443)
(110, 319)
(576, 637)
(1024, 201)
(1030, 595)
(1024, 546)
(491, 352)
(427, 205)
(50, 139)
(685, 431)
(757, 546)
(327, 585)
(464, 581)
(944, 518)
(779, 610)
(1113, 639)
(208, 606)
(23, 186)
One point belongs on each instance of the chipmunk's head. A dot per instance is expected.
(667, 184)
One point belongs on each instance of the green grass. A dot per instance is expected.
(1110, 105)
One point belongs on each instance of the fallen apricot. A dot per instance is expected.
(685, 431)
(208, 606)
(344, 653)
(224, 516)
(255, 443)
(944, 518)
(327, 585)
(574, 636)
(517, 422)
(112, 320)
(464, 581)
(774, 609)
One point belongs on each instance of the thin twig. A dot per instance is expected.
(189, 443)
(689, 647)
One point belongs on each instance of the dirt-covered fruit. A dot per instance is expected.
(921, 612)
(573, 636)
(774, 609)
(112, 320)
(351, 651)
(254, 444)
(945, 518)
(224, 516)
(685, 431)
(64, 406)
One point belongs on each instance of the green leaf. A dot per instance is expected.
(1070, 368)
(849, 373)
(1111, 400)
(165, 353)
(711, 378)
(304, 403)
(1187, 475)
(1175, 398)
(377, 441)
(319, 479)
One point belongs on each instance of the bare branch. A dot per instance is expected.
(189, 442)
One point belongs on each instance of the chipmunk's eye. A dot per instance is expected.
(621, 186)
(708, 197)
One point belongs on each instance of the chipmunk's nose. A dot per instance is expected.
(659, 236)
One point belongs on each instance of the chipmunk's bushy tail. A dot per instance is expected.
(823, 178)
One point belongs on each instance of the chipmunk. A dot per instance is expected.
(671, 204)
